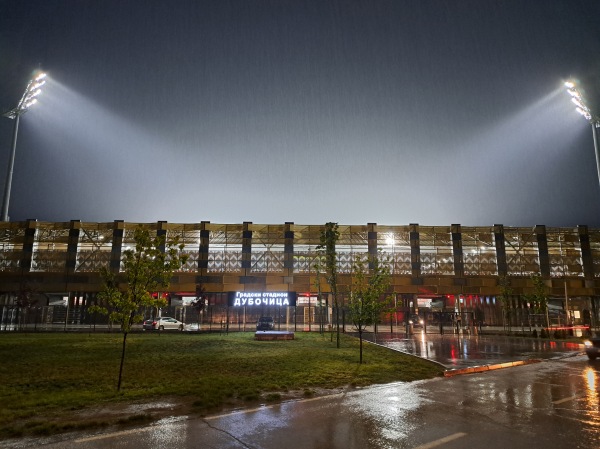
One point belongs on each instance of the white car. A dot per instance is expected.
(162, 323)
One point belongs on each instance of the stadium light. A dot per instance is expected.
(582, 107)
(27, 100)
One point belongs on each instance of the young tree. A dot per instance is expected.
(24, 302)
(369, 296)
(506, 300)
(147, 268)
(329, 237)
(317, 283)
(539, 297)
(200, 302)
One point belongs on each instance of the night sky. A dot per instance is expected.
(383, 111)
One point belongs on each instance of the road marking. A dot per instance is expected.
(112, 435)
(237, 412)
(441, 441)
(265, 407)
(560, 401)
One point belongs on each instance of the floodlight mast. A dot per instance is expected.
(588, 114)
(27, 100)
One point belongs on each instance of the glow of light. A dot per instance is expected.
(390, 240)
(580, 326)
(591, 382)
(28, 99)
(578, 100)
(585, 113)
(590, 377)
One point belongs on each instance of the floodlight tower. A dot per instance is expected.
(588, 114)
(27, 100)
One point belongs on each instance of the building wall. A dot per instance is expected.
(424, 260)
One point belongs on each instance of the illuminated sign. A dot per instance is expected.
(423, 302)
(307, 300)
(257, 299)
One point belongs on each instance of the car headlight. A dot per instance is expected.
(588, 344)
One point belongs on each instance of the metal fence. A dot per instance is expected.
(220, 318)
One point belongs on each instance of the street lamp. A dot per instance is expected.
(27, 100)
(587, 113)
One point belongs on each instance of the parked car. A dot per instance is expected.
(265, 323)
(162, 323)
(416, 321)
(592, 347)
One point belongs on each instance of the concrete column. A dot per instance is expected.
(500, 250)
(246, 248)
(415, 250)
(372, 242)
(544, 258)
(28, 243)
(73, 242)
(288, 249)
(161, 230)
(117, 246)
(586, 252)
(203, 248)
(457, 251)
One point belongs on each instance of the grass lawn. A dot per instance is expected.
(52, 382)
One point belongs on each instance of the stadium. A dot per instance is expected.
(50, 272)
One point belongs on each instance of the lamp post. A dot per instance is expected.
(27, 100)
(586, 112)
(594, 120)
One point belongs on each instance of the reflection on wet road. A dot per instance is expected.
(455, 351)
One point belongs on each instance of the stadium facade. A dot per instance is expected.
(440, 268)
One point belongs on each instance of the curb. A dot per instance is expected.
(481, 369)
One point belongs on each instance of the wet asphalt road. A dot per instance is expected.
(454, 351)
